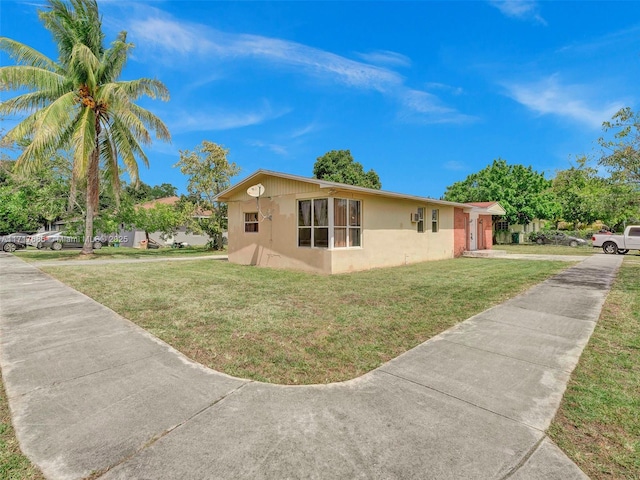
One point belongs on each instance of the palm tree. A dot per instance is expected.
(79, 103)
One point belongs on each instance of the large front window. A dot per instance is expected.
(329, 223)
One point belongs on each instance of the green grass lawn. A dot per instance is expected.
(34, 255)
(298, 328)
(598, 424)
(13, 464)
(547, 249)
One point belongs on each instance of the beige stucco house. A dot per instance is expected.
(326, 227)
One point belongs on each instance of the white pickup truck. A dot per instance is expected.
(621, 244)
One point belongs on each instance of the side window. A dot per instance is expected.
(251, 222)
(355, 223)
(502, 225)
(435, 220)
(304, 223)
(634, 232)
(321, 223)
(421, 219)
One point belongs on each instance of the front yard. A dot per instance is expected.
(298, 328)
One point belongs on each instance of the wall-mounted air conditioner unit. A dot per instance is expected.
(415, 217)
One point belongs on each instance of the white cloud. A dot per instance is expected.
(444, 87)
(520, 9)
(550, 97)
(620, 40)
(151, 28)
(454, 166)
(386, 57)
(168, 35)
(188, 39)
(275, 148)
(430, 108)
(220, 119)
(300, 132)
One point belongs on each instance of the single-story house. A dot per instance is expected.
(288, 221)
(506, 233)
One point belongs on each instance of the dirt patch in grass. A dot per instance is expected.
(598, 423)
(298, 328)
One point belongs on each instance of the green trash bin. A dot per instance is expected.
(515, 238)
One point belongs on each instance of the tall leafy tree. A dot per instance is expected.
(621, 153)
(581, 193)
(209, 173)
(339, 166)
(524, 193)
(142, 192)
(28, 201)
(162, 218)
(78, 102)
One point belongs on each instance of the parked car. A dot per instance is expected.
(559, 238)
(620, 244)
(38, 238)
(58, 241)
(14, 241)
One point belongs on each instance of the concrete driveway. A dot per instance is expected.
(93, 394)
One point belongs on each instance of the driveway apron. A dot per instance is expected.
(93, 394)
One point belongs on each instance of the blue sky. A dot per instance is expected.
(425, 93)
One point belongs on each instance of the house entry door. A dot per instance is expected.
(473, 230)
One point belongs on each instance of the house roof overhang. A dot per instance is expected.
(493, 208)
(258, 175)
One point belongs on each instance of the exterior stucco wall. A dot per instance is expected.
(389, 237)
(275, 243)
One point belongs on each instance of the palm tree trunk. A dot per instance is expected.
(93, 186)
(87, 248)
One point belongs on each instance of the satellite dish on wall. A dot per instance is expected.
(255, 190)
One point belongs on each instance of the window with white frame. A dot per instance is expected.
(329, 223)
(421, 219)
(346, 223)
(435, 220)
(251, 222)
(313, 223)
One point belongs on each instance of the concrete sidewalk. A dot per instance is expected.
(91, 393)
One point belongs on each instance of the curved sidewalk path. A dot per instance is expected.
(93, 394)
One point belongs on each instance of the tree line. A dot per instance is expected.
(37, 198)
(604, 188)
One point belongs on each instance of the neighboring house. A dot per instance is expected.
(132, 238)
(326, 227)
(508, 233)
(135, 236)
